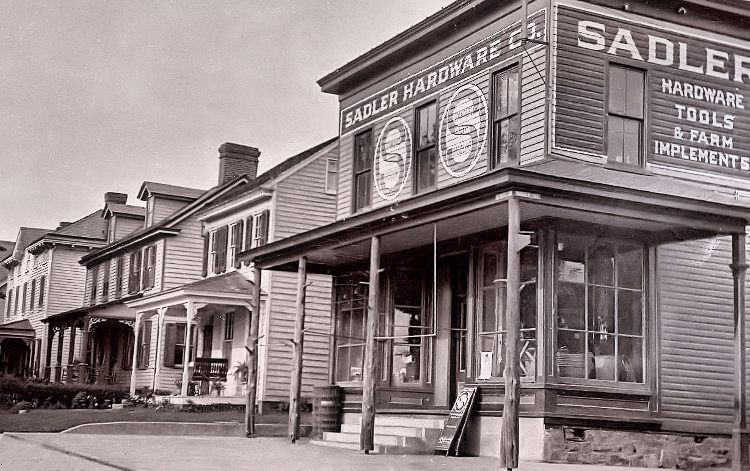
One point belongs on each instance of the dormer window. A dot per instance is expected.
(111, 230)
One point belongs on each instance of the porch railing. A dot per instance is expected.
(214, 369)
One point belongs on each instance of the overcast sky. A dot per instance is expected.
(99, 96)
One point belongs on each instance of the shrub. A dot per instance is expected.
(59, 395)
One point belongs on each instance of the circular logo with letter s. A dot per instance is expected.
(392, 158)
(463, 130)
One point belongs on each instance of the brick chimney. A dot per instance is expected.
(113, 197)
(235, 160)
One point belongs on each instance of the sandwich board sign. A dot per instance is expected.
(450, 439)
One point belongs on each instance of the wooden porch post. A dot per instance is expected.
(299, 337)
(71, 354)
(251, 348)
(740, 434)
(60, 342)
(48, 375)
(509, 426)
(137, 328)
(83, 366)
(367, 432)
(190, 315)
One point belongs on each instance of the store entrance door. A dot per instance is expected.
(459, 282)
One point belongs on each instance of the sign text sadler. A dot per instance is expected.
(482, 55)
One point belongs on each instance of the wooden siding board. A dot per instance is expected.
(183, 261)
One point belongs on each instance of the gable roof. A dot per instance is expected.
(166, 226)
(170, 191)
(126, 210)
(6, 247)
(26, 235)
(91, 227)
(274, 172)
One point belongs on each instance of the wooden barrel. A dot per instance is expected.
(326, 409)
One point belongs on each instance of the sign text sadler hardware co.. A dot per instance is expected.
(482, 55)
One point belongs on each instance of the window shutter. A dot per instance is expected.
(264, 217)
(151, 266)
(206, 240)
(248, 233)
(237, 237)
(169, 341)
(221, 249)
(146, 342)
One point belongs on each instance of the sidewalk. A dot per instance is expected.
(32, 451)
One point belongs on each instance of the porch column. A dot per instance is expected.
(60, 342)
(299, 337)
(251, 346)
(48, 354)
(83, 366)
(136, 348)
(71, 354)
(160, 313)
(740, 434)
(509, 425)
(367, 432)
(191, 309)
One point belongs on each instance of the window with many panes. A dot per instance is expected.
(235, 243)
(412, 321)
(351, 311)
(363, 155)
(625, 115)
(149, 267)
(332, 176)
(506, 122)
(134, 277)
(600, 310)
(425, 147)
(491, 283)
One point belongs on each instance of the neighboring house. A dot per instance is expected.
(211, 305)
(45, 279)
(5, 249)
(616, 138)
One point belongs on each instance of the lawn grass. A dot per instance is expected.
(57, 420)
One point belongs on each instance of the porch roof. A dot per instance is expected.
(229, 289)
(666, 208)
(79, 312)
(17, 330)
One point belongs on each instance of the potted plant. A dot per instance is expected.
(240, 371)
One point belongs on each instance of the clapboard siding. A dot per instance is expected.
(579, 94)
(533, 100)
(283, 308)
(67, 281)
(163, 208)
(303, 193)
(124, 226)
(183, 261)
(696, 331)
(346, 169)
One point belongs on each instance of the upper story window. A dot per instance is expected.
(506, 123)
(119, 275)
(600, 310)
(32, 295)
(149, 266)
(42, 287)
(105, 280)
(218, 257)
(134, 277)
(235, 243)
(8, 309)
(363, 155)
(149, 211)
(426, 147)
(260, 234)
(23, 300)
(15, 307)
(625, 115)
(332, 176)
(94, 284)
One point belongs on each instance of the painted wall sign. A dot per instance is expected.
(697, 94)
(393, 158)
(463, 130)
(480, 56)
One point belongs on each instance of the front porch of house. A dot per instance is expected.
(190, 342)
(16, 348)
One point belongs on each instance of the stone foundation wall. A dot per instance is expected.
(623, 448)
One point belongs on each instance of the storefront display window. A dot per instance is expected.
(492, 311)
(410, 325)
(351, 313)
(600, 314)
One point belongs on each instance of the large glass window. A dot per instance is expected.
(492, 310)
(426, 147)
(625, 115)
(351, 312)
(600, 310)
(410, 347)
(506, 123)
(362, 170)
